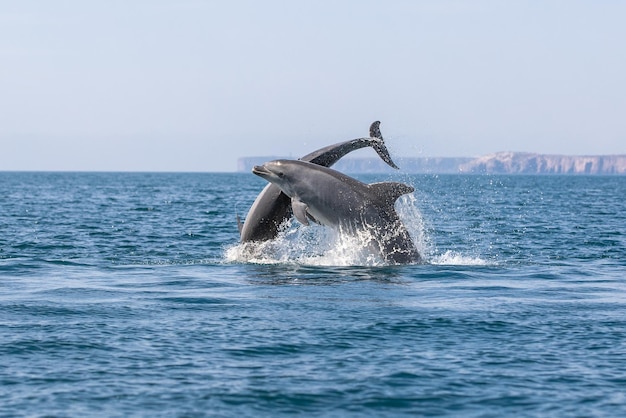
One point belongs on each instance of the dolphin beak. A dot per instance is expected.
(260, 170)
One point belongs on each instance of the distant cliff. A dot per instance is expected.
(528, 163)
(498, 163)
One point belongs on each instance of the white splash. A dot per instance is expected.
(411, 217)
(308, 245)
(321, 246)
(451, 258)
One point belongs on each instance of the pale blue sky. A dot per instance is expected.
(193, 85)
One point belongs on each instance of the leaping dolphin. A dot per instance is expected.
(331, 198)
(272, 207)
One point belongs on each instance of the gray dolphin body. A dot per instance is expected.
(331, 198)
(272, 207)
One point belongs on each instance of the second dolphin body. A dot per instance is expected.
(272, 207)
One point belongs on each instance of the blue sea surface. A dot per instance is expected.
(127, 294)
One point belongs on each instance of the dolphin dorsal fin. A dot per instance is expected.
(299, 211)
(389, 191)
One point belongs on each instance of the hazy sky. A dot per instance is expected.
(193, 85)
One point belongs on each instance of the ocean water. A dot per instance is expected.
(127, 294)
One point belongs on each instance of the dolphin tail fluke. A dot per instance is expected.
(383, 152)
(379, 146)
(375, 130)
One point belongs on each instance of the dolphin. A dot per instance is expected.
(325, 196)
(272, 207)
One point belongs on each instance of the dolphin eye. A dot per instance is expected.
(281, 174)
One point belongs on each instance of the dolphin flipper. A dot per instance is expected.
(239, 223)
(299, 211)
